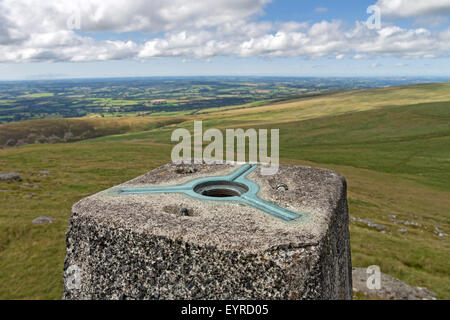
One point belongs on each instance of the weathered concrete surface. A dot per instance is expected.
(137, 247)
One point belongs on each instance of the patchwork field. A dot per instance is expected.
(391, 144)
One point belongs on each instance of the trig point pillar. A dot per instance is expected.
(212, 232)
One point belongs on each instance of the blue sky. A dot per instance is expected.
(306, 10)
(44, 40)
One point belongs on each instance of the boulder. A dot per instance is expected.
(11, 176)
(390, 288)
(43, 220)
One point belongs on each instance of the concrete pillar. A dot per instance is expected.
(177, 246)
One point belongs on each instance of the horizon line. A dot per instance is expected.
(409, 77)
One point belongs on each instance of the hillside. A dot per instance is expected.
(391, 144)
(22, 100)
(75, 129)
(68, 130)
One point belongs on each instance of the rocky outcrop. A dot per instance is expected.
(390, 288)
(11, 176)
(369, 223)
(43, 220)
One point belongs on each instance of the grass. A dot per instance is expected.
(32, 131)
(391, 145)
(37, 95)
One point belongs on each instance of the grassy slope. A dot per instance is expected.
(394, 153)
(32, 131)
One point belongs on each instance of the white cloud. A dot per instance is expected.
(430, 21)
(332, 38)
(127, 15)
(359, 56)
(32, 30)
(413, 8)
(321, 9)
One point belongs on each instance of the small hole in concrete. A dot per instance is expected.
(221, 189)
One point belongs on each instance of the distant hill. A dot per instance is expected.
(75, 129)
(68, 130)
(75, 98)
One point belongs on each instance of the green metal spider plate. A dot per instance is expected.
(238, 176)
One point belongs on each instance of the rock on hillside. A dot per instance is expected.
(391, 288)
(11, 176)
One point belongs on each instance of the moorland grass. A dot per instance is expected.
(394, 155)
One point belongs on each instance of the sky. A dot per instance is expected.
(50, 39)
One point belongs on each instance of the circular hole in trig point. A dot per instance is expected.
(220, 189)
